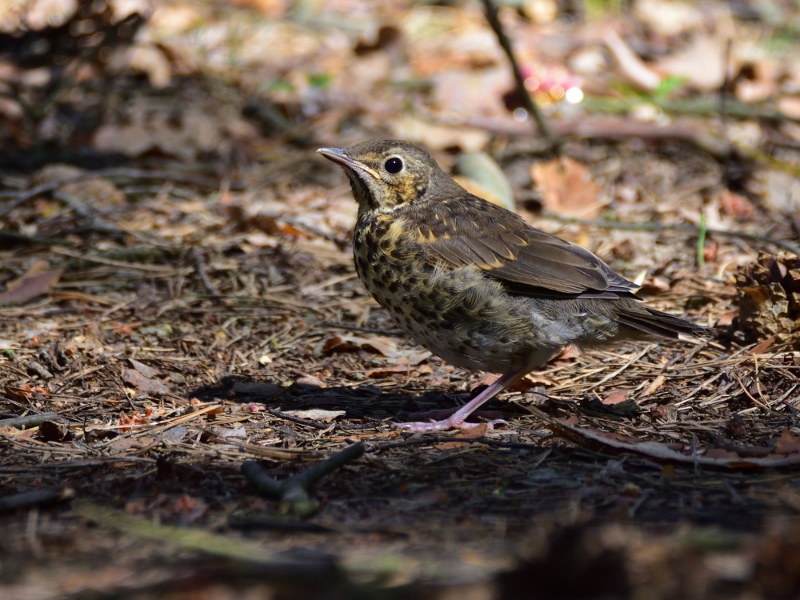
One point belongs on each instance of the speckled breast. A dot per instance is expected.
(456, 313)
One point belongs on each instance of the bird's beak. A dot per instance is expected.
(340, 157)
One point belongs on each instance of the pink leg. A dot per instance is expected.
(458, 420)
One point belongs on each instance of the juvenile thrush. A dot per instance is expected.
(473, 282)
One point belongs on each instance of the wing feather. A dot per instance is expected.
(506, 247)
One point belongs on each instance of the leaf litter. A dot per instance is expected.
(197, 307)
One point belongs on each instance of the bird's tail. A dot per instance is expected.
(654, 322)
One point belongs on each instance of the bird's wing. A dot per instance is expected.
(472, 231)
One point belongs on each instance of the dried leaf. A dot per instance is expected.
(382, 372)
(615, 397)
(381, 344)
(727, 319)
(631, 67)
(144, 384)
(762, 346)
(567, 188)
(317, 414)
(466, 434)
(148, 372)
(34, 283)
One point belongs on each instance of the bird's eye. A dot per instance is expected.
(393, 165)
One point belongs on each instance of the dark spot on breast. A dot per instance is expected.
(384, 244)
(362, 264)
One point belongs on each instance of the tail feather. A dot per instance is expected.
(654, 322)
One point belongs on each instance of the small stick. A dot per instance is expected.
(293, 492)
(35, 498)
(29, 420)
(530, 105)
(300, 421)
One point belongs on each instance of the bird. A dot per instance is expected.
(476, 284)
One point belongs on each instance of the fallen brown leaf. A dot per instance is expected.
(466, 434)
(567, 188)
(380, 344)
(615, 397)
(34, 283)
(144, 384)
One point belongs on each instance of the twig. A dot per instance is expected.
(436, 439)
(702, 106)
(35, 498)
(14, 238)
(18, 198)
(298, 420)
(723, 88)
(200, 268)
(684, 228)
(530, 105)
(293, 492)
(598, 128)
(118, 263)
(29, 420)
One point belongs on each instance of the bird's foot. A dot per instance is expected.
(445, 425)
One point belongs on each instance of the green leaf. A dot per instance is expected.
(668, 85)
(321, 80)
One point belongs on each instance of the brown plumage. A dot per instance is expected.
(473, 282)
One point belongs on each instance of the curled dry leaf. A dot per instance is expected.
(316, 414)
(567, 188)
(36, 282)
(630, 66)
(380, 344)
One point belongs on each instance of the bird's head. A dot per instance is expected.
(387, 174)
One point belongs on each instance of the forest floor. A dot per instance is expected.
(180, 298)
